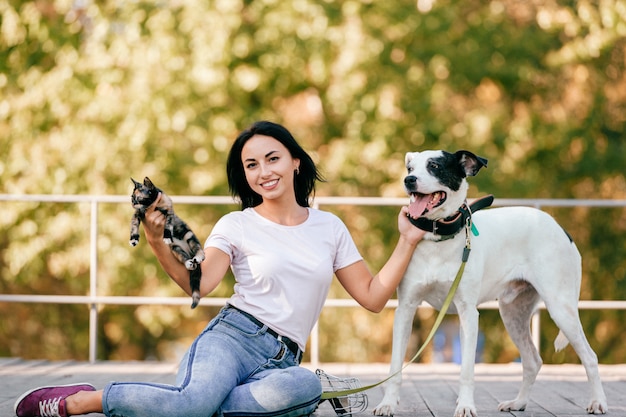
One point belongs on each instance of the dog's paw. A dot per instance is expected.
(167, 240)
(597, 407)
(133, 241)
(384, 409)
(465, 411)
(512, 405)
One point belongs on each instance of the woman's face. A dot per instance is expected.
(269, 167)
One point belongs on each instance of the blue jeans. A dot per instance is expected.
(233, 368)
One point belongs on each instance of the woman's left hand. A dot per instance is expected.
(411, 233)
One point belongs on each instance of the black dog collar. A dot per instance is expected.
(452, 225)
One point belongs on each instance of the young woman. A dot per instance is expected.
(283, 255)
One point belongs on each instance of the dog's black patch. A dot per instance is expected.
(447, 170)
(450, 169)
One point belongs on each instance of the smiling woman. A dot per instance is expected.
(283, 255)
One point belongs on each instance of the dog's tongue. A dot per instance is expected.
(422, 203)
(418, 204)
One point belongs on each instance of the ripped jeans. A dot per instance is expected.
(233, 368)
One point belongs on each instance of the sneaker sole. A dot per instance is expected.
(47, 386)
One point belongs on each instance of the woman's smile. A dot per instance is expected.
(268, 185)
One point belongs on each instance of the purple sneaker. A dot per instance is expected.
(47, 401)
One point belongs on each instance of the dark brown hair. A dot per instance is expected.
(304, 180)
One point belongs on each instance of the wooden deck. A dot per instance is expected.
(427, 390)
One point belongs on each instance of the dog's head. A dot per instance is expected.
(436, 181)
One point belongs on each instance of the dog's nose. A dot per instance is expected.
(410, 180)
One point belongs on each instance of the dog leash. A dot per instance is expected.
(442, 312)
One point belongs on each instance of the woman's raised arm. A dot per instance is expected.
(214, 266)
(373, 292)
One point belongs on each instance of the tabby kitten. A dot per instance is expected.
(182, 241)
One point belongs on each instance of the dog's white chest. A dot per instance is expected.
(432, 271)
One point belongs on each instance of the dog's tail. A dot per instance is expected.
(560, 342)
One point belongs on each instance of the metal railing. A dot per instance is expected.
(93, 300)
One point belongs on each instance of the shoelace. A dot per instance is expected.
(50, 407)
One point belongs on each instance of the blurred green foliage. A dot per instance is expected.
(92, 93)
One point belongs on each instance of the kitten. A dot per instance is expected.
(182, 241)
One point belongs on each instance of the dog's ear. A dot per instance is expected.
(470, 163)
(407, 158)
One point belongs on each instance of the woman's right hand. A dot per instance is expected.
(154, 222)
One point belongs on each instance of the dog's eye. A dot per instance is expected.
(433, 165)
(409, 169)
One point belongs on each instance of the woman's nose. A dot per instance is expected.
(265, 170)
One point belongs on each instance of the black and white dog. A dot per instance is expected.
(518, 256)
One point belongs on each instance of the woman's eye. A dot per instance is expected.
(250, 165)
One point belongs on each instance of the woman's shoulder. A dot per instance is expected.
(234, 218)
(317, 215)
(238, 214)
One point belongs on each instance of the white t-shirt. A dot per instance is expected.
(283, 273)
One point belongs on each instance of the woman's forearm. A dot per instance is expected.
(388, 278)
(176, 270)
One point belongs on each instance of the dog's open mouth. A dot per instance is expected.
(420, 204)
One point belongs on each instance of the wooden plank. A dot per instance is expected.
(428, 390)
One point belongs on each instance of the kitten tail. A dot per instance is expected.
(195, 297)
(195, 276)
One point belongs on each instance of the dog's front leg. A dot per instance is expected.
(468, 317)
(402, 325)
